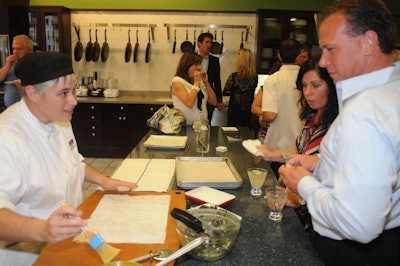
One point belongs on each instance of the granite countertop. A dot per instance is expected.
(137, 97)
(260, 241)
(132, 97)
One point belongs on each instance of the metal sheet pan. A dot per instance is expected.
(215, 172)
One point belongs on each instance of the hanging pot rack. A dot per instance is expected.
(209, 26)
(118, 25)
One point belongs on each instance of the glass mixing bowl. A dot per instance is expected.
(221, 228)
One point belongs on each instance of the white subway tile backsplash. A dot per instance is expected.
(157, 74)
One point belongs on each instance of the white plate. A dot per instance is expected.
(230, 129)
(210, 195)
(250, 146)
(166, 142)
(11, 81)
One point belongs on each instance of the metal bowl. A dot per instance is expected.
(221, 229)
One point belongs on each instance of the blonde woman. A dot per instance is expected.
(240, 86)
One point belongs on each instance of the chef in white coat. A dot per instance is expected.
(40, 164)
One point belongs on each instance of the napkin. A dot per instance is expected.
(131, 219)
(250, 146)
(149, 174)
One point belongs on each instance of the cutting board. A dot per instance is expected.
(69, 253)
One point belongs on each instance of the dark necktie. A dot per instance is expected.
(200, 97)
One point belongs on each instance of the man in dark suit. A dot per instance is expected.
(210, 64)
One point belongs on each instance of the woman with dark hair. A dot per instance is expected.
(318, 107)
(190, 88)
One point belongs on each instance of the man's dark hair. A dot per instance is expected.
(289, 50)
(204, 35)
(364, 15)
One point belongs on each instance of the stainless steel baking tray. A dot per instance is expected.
(216, 172)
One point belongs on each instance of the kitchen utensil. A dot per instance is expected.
(128, 48)
(222, 42)
(194, 40)
(96, 49)
(241, 44)
(183, 250)
(105, 48)
(186, 46)
(216, 46)
(174, 46)
(159, 254)
(89, 48)
(148, 50)
(136, 50)
(78, 50)
(219, 226)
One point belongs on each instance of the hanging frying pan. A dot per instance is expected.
(148, 50)
(241, 44)
(89, 48)
(128, 48)
(194, 41)
(104, 48)
(78, 51)
(136, 50)
(96, 50)
(222, 42)
(186, 46)
(174, 46)
(216, 46)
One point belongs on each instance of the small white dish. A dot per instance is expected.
(250, 146)
(230, 129)
(11, 81)
(166, 142)
(206, 194)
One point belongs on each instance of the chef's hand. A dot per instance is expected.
(308, 162)
(291, 175)
(63, 223)
(116, 184)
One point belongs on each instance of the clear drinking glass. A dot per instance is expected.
(202, 131)
(276, 198)
(257, 177)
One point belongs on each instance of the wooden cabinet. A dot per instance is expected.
(50, 28)
(110, 130)
(87, 123)
(12, 17)
(123, 128)
(274, 26)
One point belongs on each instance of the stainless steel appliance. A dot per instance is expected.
(4, 49)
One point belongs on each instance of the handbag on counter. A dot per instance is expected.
(167, 120)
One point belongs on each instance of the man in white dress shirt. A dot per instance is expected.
(353, 189)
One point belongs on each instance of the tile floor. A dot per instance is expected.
(105, 165)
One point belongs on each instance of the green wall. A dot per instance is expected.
(200, 5)
(211, 5)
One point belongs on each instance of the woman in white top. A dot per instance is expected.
(190, 88)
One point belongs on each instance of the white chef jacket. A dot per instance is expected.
(356, 194)
(39, 164)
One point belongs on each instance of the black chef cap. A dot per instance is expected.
(36, 68)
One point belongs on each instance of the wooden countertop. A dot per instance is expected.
(69, 253)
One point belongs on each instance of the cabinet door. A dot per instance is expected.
(123, 128)
(87, 126)
(50, 28)
(274, 26)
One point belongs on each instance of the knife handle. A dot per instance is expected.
(187, 219)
